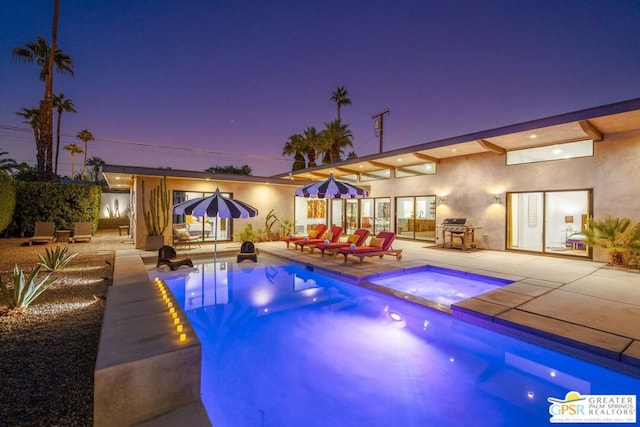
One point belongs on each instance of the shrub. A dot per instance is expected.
(7, 200)
(247, 234)
(25, 290)
(616, 235)
(52, 201)
(56, 260)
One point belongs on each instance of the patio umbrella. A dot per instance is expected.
(217, 206)
(331, 189)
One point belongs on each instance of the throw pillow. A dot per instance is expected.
(353, 238)
(313, 234)
(376, 242)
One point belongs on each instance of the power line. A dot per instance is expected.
(196, 151)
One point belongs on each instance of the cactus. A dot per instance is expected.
(156, 218)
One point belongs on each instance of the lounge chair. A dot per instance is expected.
(332, 237)
(357, 238)
(247, 252)
(168, 256)
(378, 246)
(82, 231)
(317, 231)
(182, 236)
(42, 233)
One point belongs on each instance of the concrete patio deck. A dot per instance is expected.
(576, 306)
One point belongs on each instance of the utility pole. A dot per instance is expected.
(378, 124)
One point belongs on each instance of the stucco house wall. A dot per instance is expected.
(469, 184)
(263, 197)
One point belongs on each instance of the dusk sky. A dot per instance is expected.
(226, 83)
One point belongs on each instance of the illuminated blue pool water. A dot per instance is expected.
(283, 346)
(442, 285)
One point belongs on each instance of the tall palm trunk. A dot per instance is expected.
(45, 155)
(84, 162)
(55, 170)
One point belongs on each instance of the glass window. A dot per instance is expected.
(424, 169)
(352, 215)
(569, 150)
(366, 214)
(382, 218)
(308, 213)
(375, 175)
(202, 226)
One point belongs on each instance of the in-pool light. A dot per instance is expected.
(395, 316)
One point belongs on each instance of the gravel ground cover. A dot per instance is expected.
(48, 351)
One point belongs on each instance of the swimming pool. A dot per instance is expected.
(284, 346)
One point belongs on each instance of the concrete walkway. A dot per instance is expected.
(583, 308)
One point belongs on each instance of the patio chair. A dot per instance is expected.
(357, 238)
(182, 236)
(378, 246)
(247, 252)
(317, 231)
(168, 256)
(42, 233)
(332, 237)
(82, 231)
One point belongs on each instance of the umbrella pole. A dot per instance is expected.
(215, 242)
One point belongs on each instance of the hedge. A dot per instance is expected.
(7, 200)
(63, 204)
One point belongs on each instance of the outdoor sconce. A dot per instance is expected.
(496, 199)
(442, 201)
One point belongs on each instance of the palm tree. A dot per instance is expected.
(340, 97)
(38, 52)
(7, 165)
(96, 163)
(312, 144)
(85, 136)
(42, 54)
(337, 137)
(62, 105)
(73, 149)
(295, 145)
(31, 117)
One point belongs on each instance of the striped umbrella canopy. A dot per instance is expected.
(331, 189)
(216, 206)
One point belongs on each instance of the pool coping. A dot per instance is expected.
(144, 374)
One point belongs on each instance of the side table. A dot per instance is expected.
(63, 235)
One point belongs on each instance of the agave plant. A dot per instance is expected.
(55, 260)
(609, 233)
(25, 289)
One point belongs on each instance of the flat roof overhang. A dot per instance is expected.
(593, 123)
(121, 177)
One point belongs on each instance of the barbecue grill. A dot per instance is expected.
(458, 228)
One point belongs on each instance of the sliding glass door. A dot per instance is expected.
(416, 217)
(204, 227)
(549, 221)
